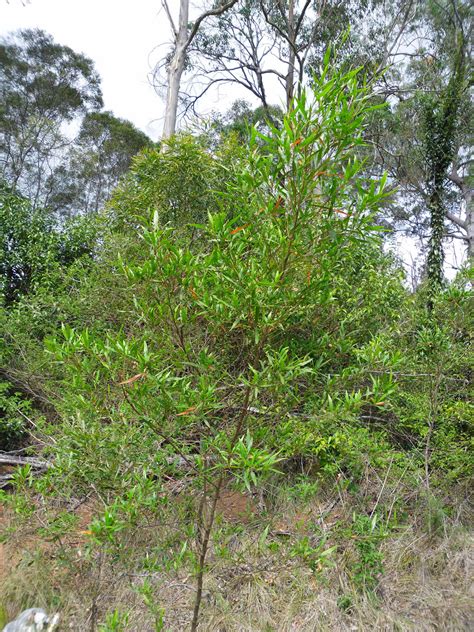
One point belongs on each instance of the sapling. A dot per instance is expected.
(229, 323)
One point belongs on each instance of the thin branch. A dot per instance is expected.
(163, 435)
(212, 12)
(165, 6)
(456, 220)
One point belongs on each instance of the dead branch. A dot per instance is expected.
(7, 458)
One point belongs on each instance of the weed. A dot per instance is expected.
(368, 533)
(115, 621)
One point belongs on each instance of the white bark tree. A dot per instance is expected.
(183, 36)
(465, 225)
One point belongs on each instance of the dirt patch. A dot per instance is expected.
(235, 506)
(13, 549)
(295, 523)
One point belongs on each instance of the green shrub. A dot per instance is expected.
(14, 411)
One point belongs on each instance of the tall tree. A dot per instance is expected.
(423, 138)
(100, 155)
(261, 44)
(183, 35)
(272, 47)
(440, 121)
(43, 86)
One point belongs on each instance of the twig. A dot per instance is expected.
(32, 423)
(441, 376)
(382, 488)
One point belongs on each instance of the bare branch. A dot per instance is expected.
(212, 12)
(165, 6)
(456, 220)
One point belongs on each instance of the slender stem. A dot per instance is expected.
(210, 523)
(431, 424)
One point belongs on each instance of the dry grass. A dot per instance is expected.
(427, 584)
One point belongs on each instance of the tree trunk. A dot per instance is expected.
(290, 75)
(183, 36)
(466, 224)
(175, 70)
(436, 252)
(468, 196)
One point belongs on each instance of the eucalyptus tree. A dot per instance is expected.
(183, 35)
(423, 137)
(43, 87)
(256, 44)
(263, 46)
(100, 155)
(271, 48)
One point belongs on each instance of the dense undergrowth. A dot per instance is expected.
(251, 424)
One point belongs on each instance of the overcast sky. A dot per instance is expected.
(120, 36)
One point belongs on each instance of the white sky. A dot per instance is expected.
(119, 36)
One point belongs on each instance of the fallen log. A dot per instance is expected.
(7, 458)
